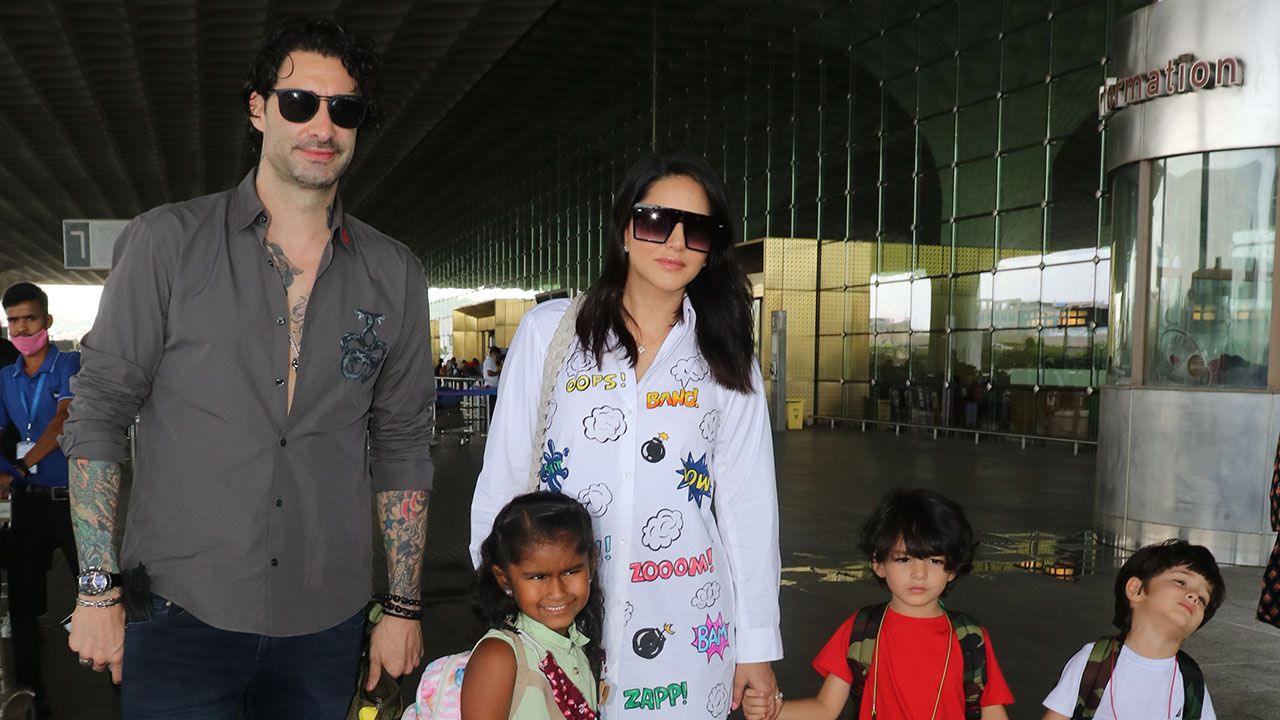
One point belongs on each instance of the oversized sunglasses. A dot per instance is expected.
(654, 223)
(299, 106)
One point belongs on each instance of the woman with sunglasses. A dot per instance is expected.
(656, 421)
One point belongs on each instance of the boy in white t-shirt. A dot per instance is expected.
(1164, 593)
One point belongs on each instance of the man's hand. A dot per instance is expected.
(395, 647)
(97, 635)
(759, 677)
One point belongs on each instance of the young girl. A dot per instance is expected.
(910, 657)
(537, 591)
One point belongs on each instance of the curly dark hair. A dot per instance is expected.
(526, 521)
(720, 293)
(929, 523)
(1152, 560)
(317, 35)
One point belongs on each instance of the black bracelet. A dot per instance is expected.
(398, 599)
(401, 612)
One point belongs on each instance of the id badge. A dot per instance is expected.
(25, 447)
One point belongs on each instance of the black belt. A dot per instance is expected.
(43, 491)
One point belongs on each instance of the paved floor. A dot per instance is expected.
(1033, 507)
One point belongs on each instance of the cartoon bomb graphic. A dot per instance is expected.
(653, 450)
(648, 642)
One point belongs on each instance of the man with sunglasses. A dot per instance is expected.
(276, 351)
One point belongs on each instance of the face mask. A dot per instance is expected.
(29, 345)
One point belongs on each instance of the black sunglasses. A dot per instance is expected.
(299, 106)
(654, 223)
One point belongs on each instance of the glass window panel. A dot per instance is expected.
(893, 352)
(1100, 345)
(830, 357)
(1020, 233)
(1066, 358)
(1124, 233)
(1022, 178)
(900, 47)
(857, 357)
(860, 262)
(1073, 212)
(975, 244)
(979, 73)
(865, 172)
(891, 306)
(933, 249)
(929, 357)
(1015, 357)
(971, 356)
(930, 303)
(1079, 36)
(1064, 412)
(857, 400)
(1074, 103)
(864, 213)
(1067, 295)
(1024, 116)
(977, 128)
(899, 208)
(1025, 59)
(979, 20)
(975, 187)
(971, 297)
(1020, 12)
(938, 33)
(933, 203)
(1016, 298)
(937, 141)
(896, 256)
(900, 153)
(1102, 293)
(1212, 265)
(970, 373)
(937, 87)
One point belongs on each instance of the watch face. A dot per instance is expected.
(94, 583)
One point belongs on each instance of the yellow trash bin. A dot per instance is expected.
(795, 413)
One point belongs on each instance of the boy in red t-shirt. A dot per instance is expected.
(908, 659)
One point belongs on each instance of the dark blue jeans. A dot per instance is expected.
(178, 668)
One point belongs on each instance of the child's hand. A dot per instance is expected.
(755, 704)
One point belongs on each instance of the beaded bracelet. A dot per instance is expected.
(398, 599)
(400, 611)
(109, 602)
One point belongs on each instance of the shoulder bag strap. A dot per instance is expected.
(556, 352)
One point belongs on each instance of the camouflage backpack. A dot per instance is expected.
(973, 649)
(1102, 662)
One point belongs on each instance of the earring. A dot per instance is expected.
(507, 591)
(626, 249)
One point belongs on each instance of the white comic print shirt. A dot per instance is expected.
(689, 592)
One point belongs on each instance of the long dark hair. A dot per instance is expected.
(526, 521)
(719, 293)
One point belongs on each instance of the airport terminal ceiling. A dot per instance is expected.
(112, 106)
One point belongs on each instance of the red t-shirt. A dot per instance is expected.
(912, 652)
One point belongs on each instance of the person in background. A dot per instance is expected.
(35, 397)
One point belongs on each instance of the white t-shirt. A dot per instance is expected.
(490, 366)
(1142, 686)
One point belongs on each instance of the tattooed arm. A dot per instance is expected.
(396, 645)
(97, 634)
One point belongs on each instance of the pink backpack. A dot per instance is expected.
(439, 695)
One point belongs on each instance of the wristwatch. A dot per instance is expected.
(95, 581)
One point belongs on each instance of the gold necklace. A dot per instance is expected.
(875, 663)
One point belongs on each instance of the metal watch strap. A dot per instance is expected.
(109, 602)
